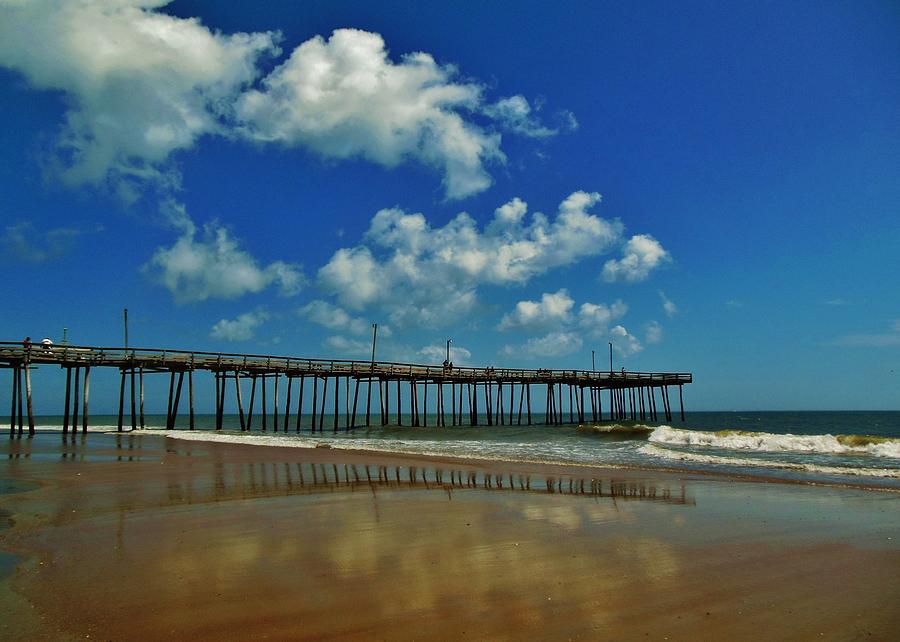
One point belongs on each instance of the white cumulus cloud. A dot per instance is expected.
(215, 267)
(596, 317)
(431, 275)
(624, 343)
(239, 329)
(552, 309)
(335, 318)
(437, 353)
(640, 256)
(140, 84)
(552, 344)
(653, 332)
(668, 305)
(345, 97)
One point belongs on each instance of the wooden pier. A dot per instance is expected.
(339, 394)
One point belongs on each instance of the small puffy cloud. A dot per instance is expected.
(653, 332)
(596, 317)
(25, 243)
(239, 329)
(430, 275)
(553, 344)
(640, 256)
(345, 97)
(515, 114)
(624, 343)
(437, 354)
(215, 267)
(552, 309)
(334, 317)
(349, 347)
(668, 305)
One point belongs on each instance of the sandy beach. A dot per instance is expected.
(144, 537)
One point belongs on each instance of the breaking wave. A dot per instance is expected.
(770, 442)
(679, 455)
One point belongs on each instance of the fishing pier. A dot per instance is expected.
(338, 394)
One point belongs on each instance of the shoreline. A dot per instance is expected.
(273, 541)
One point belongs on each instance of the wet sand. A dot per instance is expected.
(141, 537)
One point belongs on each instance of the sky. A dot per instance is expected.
(710, 187)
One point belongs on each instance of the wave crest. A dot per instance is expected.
(770, 442)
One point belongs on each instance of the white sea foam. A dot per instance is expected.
(769, 442)
(679, 455)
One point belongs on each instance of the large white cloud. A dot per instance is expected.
(141, 84)
(345, 97)
(640, 256)
(214, 266)
(430, 275)
(596, 317)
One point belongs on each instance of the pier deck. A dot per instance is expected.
(630, 394)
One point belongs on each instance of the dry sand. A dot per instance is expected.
(141, 537)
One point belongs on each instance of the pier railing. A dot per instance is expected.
(631, 394)
(167, 359)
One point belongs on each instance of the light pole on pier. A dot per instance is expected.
(449, 341)
(125, 311)
(593, 362)
(374, 336)
(610, 359)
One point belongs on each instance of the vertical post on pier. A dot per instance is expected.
(369, 403)
(439, 390)
(220, 423)
(12, 410)
(499, 414)
(21, 425)
(275, 404)
(413, 404)
(528, 401)
(474, 402)
(559, 407)
(347, 402)
(681, 401)
(315, 398)
(287, 403)
(300, 402)
(581, 404)
(87, 397)
(141, 385)
(28, 406)
(133, 396)
(252, 400)
(355, 400)
(521, 401)
(66, 405)
(240, 400)
(121, 401)
(75, 398)
(386, 401)
(452, 403)
(322, 410)
(399, 416)
(489, 403)
(265, 413)
(337, 394)
(571, 404)
(191, 399)
(177, 401)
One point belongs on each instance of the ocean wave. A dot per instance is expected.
(679, 455)
(616, 429)
(770, 442)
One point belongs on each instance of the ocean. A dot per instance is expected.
(837, 447)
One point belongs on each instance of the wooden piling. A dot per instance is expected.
(275, 404)
(324, 397)
(86, 399)
(191, 399)
(337, 394)
(20, 399)
(300, 402)
(141, 385)
(30, 408)
(265, 412)
(12, 410)
(133, 397)
(121, 401)
(315, 397)
(240, 400)
(287, 403)
(681, 401)
(75, 399)
(177, 401)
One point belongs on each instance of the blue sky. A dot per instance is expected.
(713, 187)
